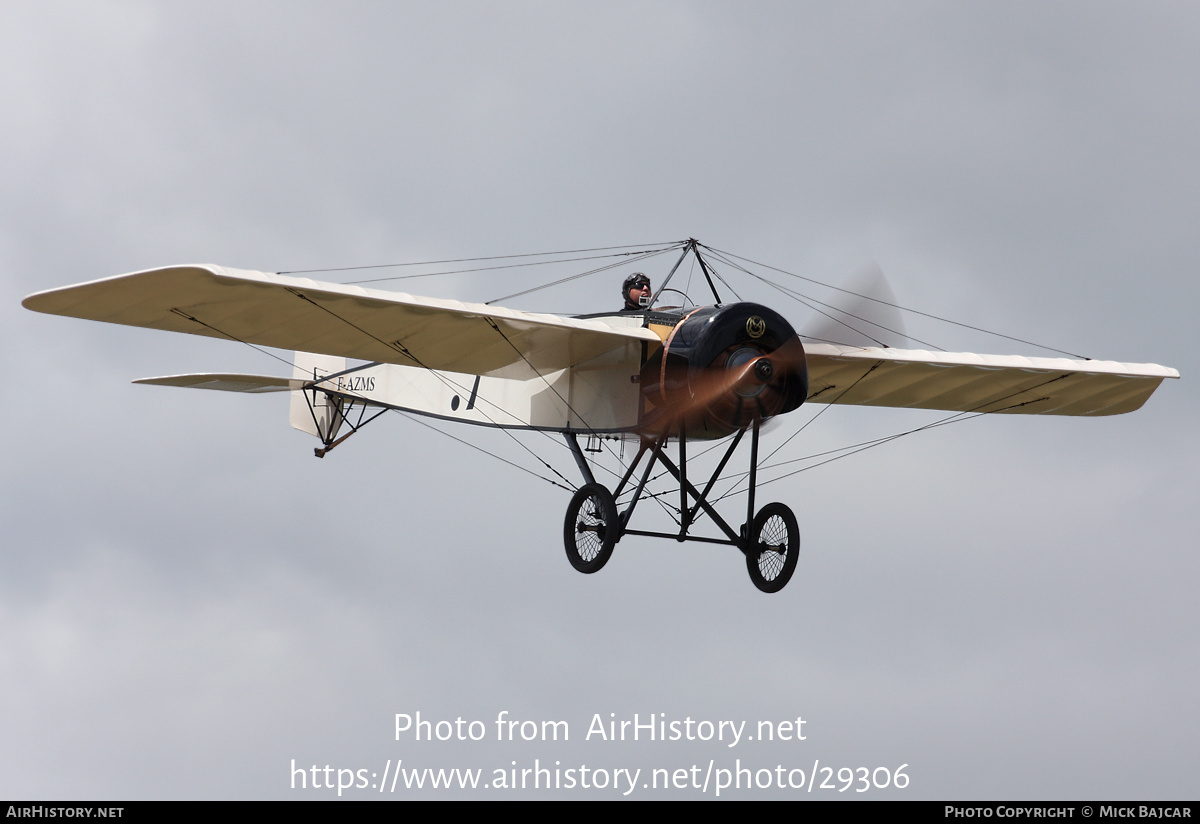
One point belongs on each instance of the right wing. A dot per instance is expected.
(345, 321)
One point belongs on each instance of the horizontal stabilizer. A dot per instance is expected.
(964, 382)
(253, 384)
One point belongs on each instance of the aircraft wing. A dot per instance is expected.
(964, 382)
(341, 320)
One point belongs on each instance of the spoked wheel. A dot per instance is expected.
(591, 528)
(774, 547)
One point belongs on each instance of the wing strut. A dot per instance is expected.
(337, 410)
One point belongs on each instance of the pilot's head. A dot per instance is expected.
(636, 291)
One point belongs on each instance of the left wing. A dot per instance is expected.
(965, 382)
(345, 321)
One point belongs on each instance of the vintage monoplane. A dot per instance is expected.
(654, 375)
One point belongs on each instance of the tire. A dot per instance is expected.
(590, 531)
(774, 547)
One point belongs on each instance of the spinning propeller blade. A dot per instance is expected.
(866, 315)
(741, 385)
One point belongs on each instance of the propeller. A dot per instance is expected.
(717, 379)
(742, 384)
(724, 367)
(866, 315)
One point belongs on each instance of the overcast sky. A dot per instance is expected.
(189, 601)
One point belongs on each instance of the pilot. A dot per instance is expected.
(636, 291)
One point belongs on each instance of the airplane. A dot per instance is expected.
(656, 374)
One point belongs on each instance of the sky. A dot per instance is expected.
(192, 606)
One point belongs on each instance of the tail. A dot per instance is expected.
(314, 411)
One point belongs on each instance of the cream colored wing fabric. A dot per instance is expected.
(964, 382)
(333, 319)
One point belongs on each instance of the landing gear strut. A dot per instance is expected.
(770, 539)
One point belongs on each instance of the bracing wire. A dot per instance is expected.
(813, 303)
(470, 260)
(642, 256)
(636, 253)
(901, 308)
(417, 419)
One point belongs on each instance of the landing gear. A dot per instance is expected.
(591, 528)
(770, 539)
(773, 547)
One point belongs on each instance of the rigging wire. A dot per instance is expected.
(465, 260)
(741, 476)
(460, 388)
(853, 449)
(957, 417)
(396, 346)
(256, 347)
(642, 256)
(417, 419)
(639, 256)
(809, 301)
(446, 381)
(902, 308)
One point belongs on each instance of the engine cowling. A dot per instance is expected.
(720, 369)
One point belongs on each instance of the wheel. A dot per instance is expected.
(590, 531)
(774, 547)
